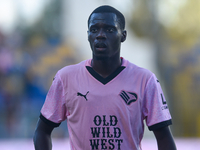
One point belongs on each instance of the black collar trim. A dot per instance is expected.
(107, 79)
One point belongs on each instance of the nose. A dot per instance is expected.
(101, 34)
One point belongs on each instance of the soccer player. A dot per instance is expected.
(105, 99)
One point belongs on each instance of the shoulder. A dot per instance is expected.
(72, 68)
(137, 71)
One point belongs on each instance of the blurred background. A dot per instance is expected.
(39, 37)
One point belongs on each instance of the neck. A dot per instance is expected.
(106, 66)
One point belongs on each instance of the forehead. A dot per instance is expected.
(104, 18)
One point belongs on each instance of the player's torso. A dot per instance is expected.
(106, 116)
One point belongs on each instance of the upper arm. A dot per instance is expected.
(42, 136)
(54, 108)
(44, 127)
(155, 109)
(164, 139)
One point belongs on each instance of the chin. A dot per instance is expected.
(100, 57)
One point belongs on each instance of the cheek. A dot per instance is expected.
(116, 44)
(116, 41)
(90, 38)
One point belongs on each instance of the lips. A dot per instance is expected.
(100, 45)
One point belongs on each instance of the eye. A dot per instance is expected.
(110, 29)
(93, 30)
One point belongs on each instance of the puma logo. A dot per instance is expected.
(79, 94)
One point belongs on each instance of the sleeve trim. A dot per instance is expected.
(160, 125)
(50, 123)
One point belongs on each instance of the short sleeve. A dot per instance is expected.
(155, 108)
(53, 111)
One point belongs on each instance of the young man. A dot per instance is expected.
(105, 99)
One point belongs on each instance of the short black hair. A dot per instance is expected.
(110, 9)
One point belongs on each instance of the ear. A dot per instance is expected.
(124, 34)
(88, 35)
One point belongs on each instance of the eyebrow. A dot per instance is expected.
(107, 25)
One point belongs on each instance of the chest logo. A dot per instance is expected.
(128, 97)
(79, 94)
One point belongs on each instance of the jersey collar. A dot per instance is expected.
(110, 77)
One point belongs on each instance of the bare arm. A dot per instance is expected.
(164, 139)
(42, 136)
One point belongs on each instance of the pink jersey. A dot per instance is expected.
(106, 113)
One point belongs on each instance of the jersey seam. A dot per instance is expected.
(148, 82)
(144, 96)
(160, 125)
(63, 95)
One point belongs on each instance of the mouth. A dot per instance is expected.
(100, 46)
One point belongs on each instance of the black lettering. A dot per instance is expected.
(119, 141)
(164, 107)
(94, 132)
(103, 143)
(94, 144)
(104, 121)
(97, 122)
(103, 132)
(113, 120)
(108, 133)
(117, 134)
(111, 131)
(110, 141)
(163, 101)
